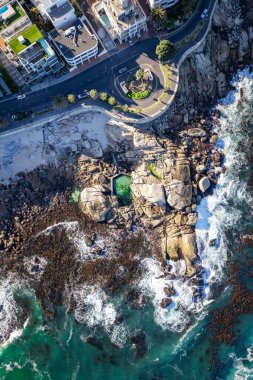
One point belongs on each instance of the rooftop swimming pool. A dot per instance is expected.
(47, 47)
(4, 9)
(105, 21)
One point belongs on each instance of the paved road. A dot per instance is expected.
(101, 76)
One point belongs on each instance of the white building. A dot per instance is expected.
(162, 3)
(60, 12)
(124, 19)
(76, 44)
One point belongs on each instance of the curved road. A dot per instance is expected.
(101, 76)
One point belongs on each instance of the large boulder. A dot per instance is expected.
(183, 247)
(95, 204)
(151, 193)
(204, 184)
(178, 186)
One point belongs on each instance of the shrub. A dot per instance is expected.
(139, 95)
(151, 168)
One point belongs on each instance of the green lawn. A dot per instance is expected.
(31, 34)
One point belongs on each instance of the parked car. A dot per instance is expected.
(83, 96)
(123, 70)
(21, 96)
(204, 14)
(131, 43)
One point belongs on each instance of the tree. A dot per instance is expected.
(163, 49)
(71, 98)
(103, 96)
(93, 93)
(59, 102)
(111, 101)
(139, 74)
(159, 17)
(138, 110)
(125, 108)
(2, 122)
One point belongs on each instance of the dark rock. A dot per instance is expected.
(165, 302)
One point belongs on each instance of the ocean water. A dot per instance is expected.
(107, 338)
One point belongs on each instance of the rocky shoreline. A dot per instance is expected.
(173, 163)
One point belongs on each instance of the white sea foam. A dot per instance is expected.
(94, 309)
(215, 213)
(10, 310)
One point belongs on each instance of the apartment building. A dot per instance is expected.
(60, 12)
(162, 3)
(24, 45)
(123, 19)
(75, 44)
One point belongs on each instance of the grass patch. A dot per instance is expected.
(139, 95)
(31, 35)
(8, 80)
(151, 168)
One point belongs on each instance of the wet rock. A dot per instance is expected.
(204, 184)
(139, 344)
(165, 302)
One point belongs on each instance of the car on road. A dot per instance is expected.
(84, 95)
(204, 14)
(123, 70)
(130, 43)
(21, 96)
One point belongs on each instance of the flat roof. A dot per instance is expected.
(60, 11)
(31, 35)
(70, 48)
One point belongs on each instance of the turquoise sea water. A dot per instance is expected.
(182, 344)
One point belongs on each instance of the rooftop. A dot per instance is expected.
(74, 44)
(60, 11)
(17, 13)
(30, 35)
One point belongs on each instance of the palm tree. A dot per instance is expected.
(71, 98)
(111, 101)
(159, 17)
(125, 108)
(139, 74)
(103, 96)
(59, 102)
(93, 93)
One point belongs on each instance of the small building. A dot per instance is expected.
(60, 12)
(162, 3)
(75, 44)
(25, 47)
(123, 19)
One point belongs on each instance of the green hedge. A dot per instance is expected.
(139, 95)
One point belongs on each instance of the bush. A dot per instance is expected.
(139, 95)
(103, 96)
(151, 168)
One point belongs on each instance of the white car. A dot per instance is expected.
(204, 14)
(83, 96)
(131, 43)
(21, 96)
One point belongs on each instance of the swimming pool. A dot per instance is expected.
(4, 9)
(46, 47)
(106, 21)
